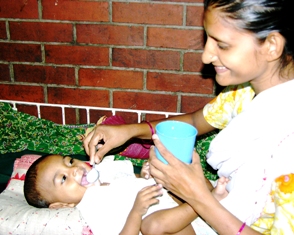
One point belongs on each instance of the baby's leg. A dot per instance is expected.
(220, 192)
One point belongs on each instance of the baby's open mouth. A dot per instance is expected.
(84, 180)
(90, 177)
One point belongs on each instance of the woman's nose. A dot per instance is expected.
(209, 55)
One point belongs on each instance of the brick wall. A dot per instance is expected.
(127, 54)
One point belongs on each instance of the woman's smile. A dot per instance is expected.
(220, 69)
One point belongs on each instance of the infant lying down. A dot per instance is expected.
(105, 208)
(114, 205)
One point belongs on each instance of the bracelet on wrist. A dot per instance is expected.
(241, 229)
(150, 126)
(147, 143)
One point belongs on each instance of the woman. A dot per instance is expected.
(247, 41)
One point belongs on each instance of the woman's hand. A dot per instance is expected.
(180, 178)
(104, 138)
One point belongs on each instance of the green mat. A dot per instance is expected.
(22, 133)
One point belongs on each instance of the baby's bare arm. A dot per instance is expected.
(175, 220)
(145, 198)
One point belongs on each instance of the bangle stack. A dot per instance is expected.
(241, 229)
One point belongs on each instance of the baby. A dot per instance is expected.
(116, 206)
(121, 198)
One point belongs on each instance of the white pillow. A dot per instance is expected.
(17, 217)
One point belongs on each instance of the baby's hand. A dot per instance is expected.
(146, 197)
(220, 192)
(145, 172)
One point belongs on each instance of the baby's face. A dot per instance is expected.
(62, 179)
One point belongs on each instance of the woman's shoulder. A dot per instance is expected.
(228, 104)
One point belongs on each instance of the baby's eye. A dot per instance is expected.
(71, 161)
(63, 179)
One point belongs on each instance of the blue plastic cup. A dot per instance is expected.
(178, 137)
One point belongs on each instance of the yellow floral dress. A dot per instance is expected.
(278, 218)
(228, 104)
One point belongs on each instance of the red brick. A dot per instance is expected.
(27, 9)
(111, 78)
(110, 34)
(179, 83)
(144, 101)
(76, 10)
(4, 72)
(128, 117)
(22, 93)
(44, 32)
(152, 117)
(152, 59)
(20, 52)
(147, 13)
(29, 109)
(193, 62)
(193, 103)
(54, 114)
(175, 38)
(32, 110)
(44, 74)
(94, 115)
(3, 30)
(78, 96)
(195, 15)
(83, 55)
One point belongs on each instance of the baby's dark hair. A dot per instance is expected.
(261, 17)
(31, 191)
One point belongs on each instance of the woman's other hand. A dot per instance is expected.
(180, 178)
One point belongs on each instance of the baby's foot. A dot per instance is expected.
(145, 172)
(220, 192)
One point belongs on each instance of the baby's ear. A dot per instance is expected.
(57, 205)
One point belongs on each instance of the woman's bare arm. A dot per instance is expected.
(116, 135)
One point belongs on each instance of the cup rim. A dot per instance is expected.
(184, 123)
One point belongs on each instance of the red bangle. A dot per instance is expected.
(151, 127)
(241, 229)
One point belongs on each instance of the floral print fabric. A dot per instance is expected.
(20, 131)
(228, 104)
(278, 215)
